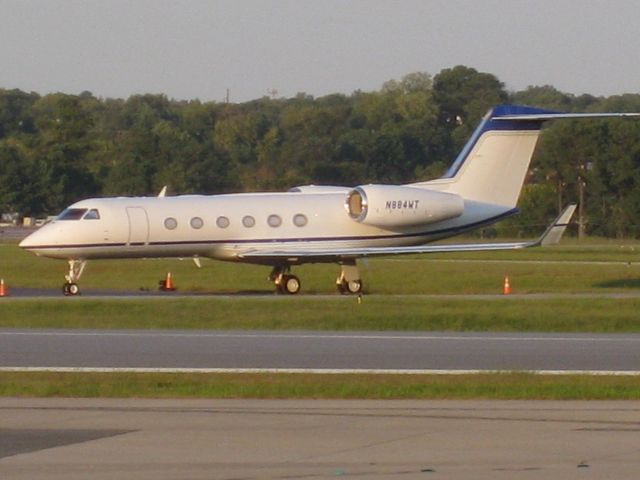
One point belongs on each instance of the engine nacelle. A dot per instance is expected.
(392, 206)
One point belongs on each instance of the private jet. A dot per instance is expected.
(317, 224)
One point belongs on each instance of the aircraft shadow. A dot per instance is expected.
(620, 283)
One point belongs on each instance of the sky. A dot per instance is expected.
(199, 49)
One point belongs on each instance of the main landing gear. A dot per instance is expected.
(283, 279)
(348, 282)
(76, 267)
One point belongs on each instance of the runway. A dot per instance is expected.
(329, 352)
(284, 439)
(28, 293)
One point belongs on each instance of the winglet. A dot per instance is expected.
(554, 232)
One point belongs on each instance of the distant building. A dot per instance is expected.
(9, 219)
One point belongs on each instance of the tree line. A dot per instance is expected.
(56, 149)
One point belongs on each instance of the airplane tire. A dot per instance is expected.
(71, 289)
(291, 284)
(349, 287)
(354, 286)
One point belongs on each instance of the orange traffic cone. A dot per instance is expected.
(4, 291)
(167, 284)
(506, 290)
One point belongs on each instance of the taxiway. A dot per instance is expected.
(279, 439)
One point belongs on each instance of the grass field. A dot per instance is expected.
(506, 386)
(376, 312)
(572, 270)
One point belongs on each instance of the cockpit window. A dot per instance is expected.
(72, 214)
(92, 214)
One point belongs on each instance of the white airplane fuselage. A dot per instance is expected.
(130, 227)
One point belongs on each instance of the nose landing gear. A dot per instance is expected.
(76, 267)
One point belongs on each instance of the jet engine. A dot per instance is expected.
(390, 206)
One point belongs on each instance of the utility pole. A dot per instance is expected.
(583, 167)
(581, 225)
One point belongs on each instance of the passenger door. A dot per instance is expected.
(138, 226)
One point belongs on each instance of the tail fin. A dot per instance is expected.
(492, 165)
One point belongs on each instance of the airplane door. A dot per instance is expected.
(138, 226)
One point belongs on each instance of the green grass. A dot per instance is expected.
(406, 313)
(508, 386)
(450, 273)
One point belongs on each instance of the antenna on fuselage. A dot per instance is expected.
(163, 192)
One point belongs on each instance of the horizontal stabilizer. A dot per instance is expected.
(543, 117)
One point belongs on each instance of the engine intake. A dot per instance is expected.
(392, 206)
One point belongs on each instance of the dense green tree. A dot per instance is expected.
(18, 177)
(463, 96)
(545, 96)
(63, 146)
(16, 115)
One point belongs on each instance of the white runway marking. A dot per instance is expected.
(318, 371)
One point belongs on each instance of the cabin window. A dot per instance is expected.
(92, 214)
(274, 221)
(170, 223)
(222, 222)
(72, 214)
(248, 221)
(300, 220)
(196, 222)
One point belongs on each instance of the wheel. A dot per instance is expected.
(70, 289)
(291, 284)
(349, 287)
(354, 286)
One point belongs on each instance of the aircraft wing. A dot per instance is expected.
(551, 236)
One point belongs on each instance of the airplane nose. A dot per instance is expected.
(27, 242)
(34, 239)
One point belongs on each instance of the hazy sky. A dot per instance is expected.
(198, 49)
